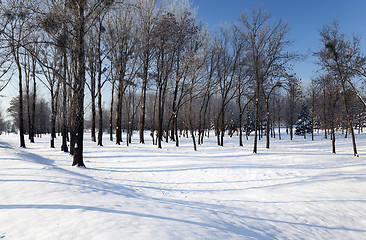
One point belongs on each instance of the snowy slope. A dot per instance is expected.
(295, 190)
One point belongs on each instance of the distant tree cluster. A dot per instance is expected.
(161, 70)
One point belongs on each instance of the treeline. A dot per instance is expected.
(162, 70)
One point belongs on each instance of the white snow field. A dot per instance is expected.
(295, 190)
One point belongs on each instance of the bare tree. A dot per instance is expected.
(337, 54)
(265, 43)
(146, 14)
(332, 92)
(15, 32)
(229, 52)
(79, 15)
(164, 42)
(122, 34)
(51, 57)
(293, 87)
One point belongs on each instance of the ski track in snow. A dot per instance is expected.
(295, 190)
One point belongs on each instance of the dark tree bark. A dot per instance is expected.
(64, 146)
(21, 119)
(111, 113)
(79, 85)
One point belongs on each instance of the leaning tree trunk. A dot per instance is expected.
(349, 121)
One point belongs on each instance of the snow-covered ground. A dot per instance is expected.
(295, 190)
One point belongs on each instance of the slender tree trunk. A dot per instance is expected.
(160, 118)
(53, 119)
(217, 130)
(256, 113)
(33, 112)
(267, 124)
(27, 92)
(279, 127)
(152, 123)
(312, 128)
(191, 119)
(21, 119)
(100, 111)
(349, 120)
(111, 114)
(176, 130)
(333, 140)
(241, 129)
(222, 125)
(92, 90)
(143, 100)
(64, 105)
(119, 113)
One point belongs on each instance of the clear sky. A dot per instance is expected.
(305, 18)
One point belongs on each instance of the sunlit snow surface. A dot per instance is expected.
(295, 190)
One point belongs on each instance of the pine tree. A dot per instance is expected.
(303, 123)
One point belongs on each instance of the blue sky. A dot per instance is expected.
(305, 18)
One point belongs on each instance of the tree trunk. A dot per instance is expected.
(53, 119)
(100, 111)
(333, 140)
(160, 118)
(92, 90)
(111, 114)
(267, 124)
(279, 128)
(64, 105)
(33, 115)
(256, 123)
(21, 119)
(241, 129)
(119, 113)
(222, 125)
(349, 120)
(143, 101)
(79, 89)
(27, 92)
(191, 119)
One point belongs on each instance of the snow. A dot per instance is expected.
(295, 190)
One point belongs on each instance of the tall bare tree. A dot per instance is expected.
(16, 30)
(338, 56)
(265, 42)
(146, 15)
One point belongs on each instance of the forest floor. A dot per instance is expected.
(294, 190)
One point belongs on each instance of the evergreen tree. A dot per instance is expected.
(303, 123)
